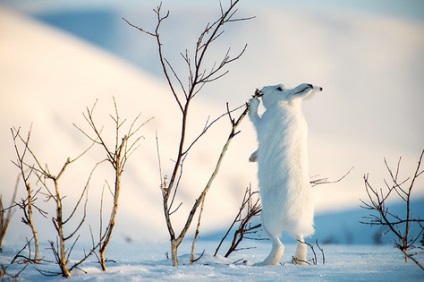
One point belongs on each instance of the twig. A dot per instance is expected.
(320, 181)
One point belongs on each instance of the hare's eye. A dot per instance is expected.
(279, 88)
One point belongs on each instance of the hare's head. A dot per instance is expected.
(271, 95)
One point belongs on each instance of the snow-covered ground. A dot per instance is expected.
(148, 262)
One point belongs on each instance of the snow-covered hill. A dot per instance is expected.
(50, 86)
(369, 66)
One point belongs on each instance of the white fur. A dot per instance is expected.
(287, 203)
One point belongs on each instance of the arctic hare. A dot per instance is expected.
(287, 203)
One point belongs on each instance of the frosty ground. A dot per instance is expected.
(148, 262)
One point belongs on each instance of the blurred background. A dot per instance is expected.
(57, 58)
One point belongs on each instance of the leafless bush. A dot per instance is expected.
(26, 170)
(117, 156)
(249, 209)
(398, 225)
(198, 76)
(33, 171)
(51, 188)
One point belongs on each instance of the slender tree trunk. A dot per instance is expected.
(102, 258)
(112, 222)
(58, 222)
(31, 223)
(174, 251)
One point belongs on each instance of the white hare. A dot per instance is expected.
(287, 203)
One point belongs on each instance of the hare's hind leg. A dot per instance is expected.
(276, 251)
(301, 250)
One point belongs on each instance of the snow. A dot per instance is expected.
(148, 262)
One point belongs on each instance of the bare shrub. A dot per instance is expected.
(117, 156)
(51, 188)
(398, 225)
(183, 94)
(26, 171)
(249, 209)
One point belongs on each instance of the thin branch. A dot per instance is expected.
(162, 59)
(200, 200)
(208, 126)
(320, 181)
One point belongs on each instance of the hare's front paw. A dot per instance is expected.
(254, 104)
